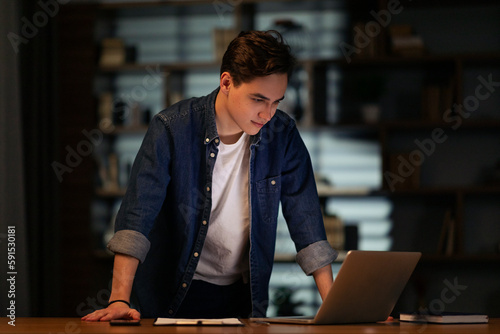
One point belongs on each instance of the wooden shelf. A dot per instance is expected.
(356, 127)
(488, 258)
(165, 67)
(329, 191)
(138, 4)
(119, 130)
(422, 124)
(425, 60)
(443, 3)
(432, 259)
(446, 190)
(108, 193)
(159, 3)
(493, 58)
(411, 124)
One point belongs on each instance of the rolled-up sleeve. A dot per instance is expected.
(130, 242)
(301, 207)
(145, 194)
(315, 256)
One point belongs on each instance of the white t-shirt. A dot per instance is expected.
(224, 258)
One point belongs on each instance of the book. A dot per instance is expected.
(448, 244)
(445, 318)
(197, 322)
(367, 45)
(436, 99)
(407, 173)
(400, 30)
(404, 42)
(112, 52)
(431, 103)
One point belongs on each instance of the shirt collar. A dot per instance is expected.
(211, 127)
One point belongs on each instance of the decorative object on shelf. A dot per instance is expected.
(368, 90)
(222, 37)
(135, 120)
(120, 111)
(370, 112)
(117, 114)
(174, 97)
(113, 52)
(108, 174)
(105, 112)
(334, 229)
(292, 104)
(448, 239)
(404, 42)
(294, 34)
(112, 183)
(110, 231)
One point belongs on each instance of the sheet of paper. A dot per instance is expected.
(198, 322)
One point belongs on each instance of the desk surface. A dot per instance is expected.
(75, 325)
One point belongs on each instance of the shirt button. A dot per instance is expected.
(208, 188)
(184, 285)
(216, 141)
(273, 182)
(207, 139)
(196, 254)
(170, 311)
(212, 155)
(204, 222)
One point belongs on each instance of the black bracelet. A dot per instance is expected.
(119, 300)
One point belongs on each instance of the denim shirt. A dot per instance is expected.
(165, 213)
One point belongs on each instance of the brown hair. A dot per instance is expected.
(257, 54)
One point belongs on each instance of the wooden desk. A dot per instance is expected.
(74, 325)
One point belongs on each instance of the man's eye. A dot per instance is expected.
(258, 100)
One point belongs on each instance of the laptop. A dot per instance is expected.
(365, 289)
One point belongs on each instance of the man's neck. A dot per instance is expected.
(230, 139)
(228, 132)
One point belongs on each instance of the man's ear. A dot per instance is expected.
(226, 81)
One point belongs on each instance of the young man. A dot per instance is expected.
(197, 226)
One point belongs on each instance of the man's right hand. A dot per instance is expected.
(114, 311)
(124, 269)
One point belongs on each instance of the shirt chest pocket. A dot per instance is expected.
(269, 192)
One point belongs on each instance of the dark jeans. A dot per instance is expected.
(206, 300)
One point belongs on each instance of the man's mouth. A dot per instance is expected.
(257, 124)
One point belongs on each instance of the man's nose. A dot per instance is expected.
(267, 113)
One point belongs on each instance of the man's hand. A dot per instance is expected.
(112, 312)
(123, 276)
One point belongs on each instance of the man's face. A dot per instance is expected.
(251, 105)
